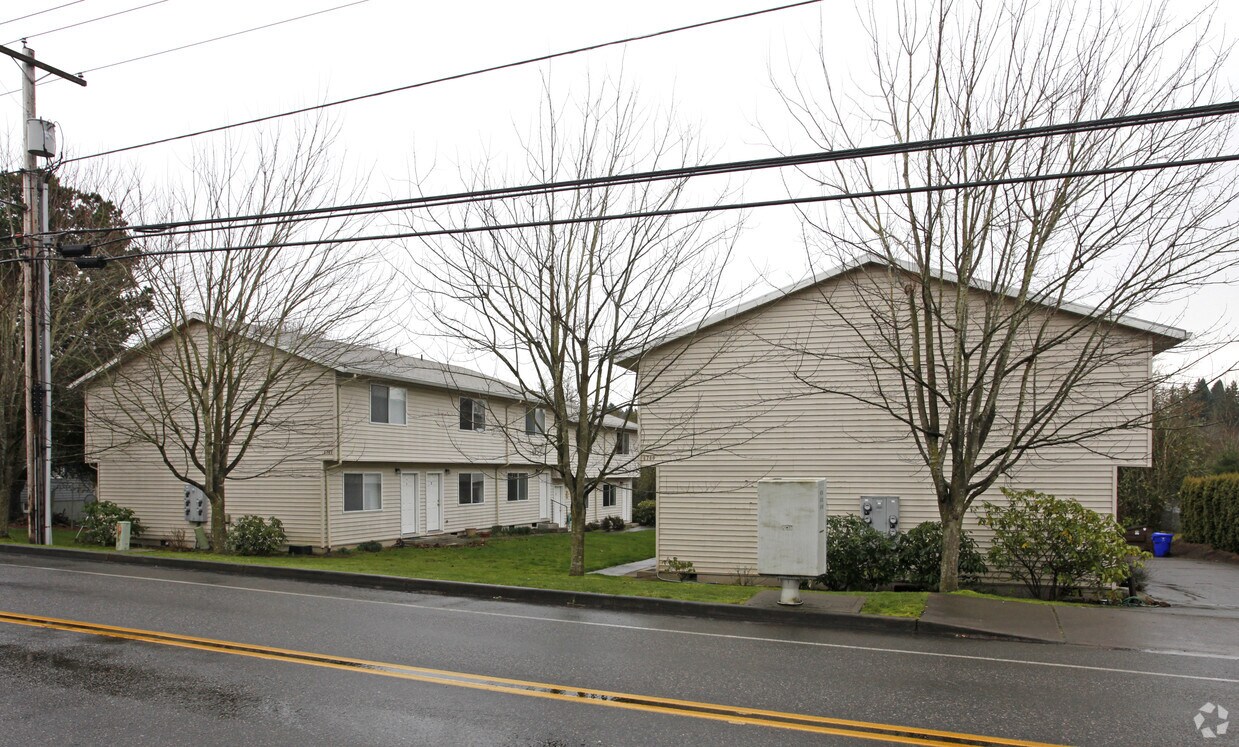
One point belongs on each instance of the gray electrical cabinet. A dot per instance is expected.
(791, 527)
(196, 505)
(881, 512)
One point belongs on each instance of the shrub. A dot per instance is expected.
(920, 557)
(612, 524)
(1055, 546)
(254, 535)
(370, 546)
(858, 557)
(644, 512)
(592, 526)
(99, 524)
(1210, 510)
(683, 568)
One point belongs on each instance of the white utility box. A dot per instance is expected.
(41, 137)
(791, 527)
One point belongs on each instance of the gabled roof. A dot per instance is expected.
(1171, 335)
(352, 359)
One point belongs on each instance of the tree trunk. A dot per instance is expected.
(952, 532)
(576, 567)
(6, 489)
(219, 530)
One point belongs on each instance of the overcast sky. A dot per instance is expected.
(717, 77)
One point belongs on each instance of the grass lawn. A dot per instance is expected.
(61, 536)
(895, 603)
(539, 561)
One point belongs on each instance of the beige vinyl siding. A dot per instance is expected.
(748, 399)
(384, 525)
(139, 480)
(280, 475)
(623, 502)
(431, 431)
(352, 527)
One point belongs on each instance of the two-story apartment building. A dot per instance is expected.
(775, 374)
(377, 446)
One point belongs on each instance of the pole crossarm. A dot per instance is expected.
(42, 65)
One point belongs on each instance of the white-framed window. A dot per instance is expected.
(623, 442)
(518, 486)
(472, 414)
(386, 404)
(608, 495)
(363, 491)
(535, 421)
(472, 487)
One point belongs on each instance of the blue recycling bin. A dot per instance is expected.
(1161, 544)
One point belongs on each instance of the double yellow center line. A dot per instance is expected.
(709, 711)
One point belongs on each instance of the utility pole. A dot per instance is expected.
(39, 139)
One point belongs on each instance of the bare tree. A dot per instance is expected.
(557, 306)
(220, 384)
(969, 338)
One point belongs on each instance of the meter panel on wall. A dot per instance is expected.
(196, 505)
(881, 512)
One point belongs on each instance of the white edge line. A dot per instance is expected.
(703, 634)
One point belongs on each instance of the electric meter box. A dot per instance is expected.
(791, 527)
(196, 508)
(41, 137)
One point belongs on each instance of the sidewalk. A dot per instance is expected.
(1146, 629)
(1156, 629)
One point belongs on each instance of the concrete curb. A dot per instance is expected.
(556, 597)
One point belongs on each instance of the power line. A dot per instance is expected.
(870, 194)
(83, 23)
(41, 12)
(457, 76)
(1024, 133)
(212, 39)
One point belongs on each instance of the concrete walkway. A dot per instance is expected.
(648, 564)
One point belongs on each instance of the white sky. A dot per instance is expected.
(718, 78)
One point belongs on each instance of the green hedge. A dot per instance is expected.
(1210, 510)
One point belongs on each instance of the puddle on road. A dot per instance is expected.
(83, 668)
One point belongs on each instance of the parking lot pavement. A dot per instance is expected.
(1197, 585)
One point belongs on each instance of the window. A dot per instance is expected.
(472, 414)
(535, 421)
(623, 442)
(363, 491)
(386, 404)
(518, 486)
(608, 496)
(472, 487)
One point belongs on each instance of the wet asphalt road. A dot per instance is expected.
(64, 688)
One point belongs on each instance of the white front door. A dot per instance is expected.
(434, 501)
(559, 511)
(408, 503)
(624, 493)
(544, 497)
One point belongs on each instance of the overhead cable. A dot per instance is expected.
(24, 37)
(445, 79)
(41, 12)
(668, 212)
(206, 41)
(817, 157)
